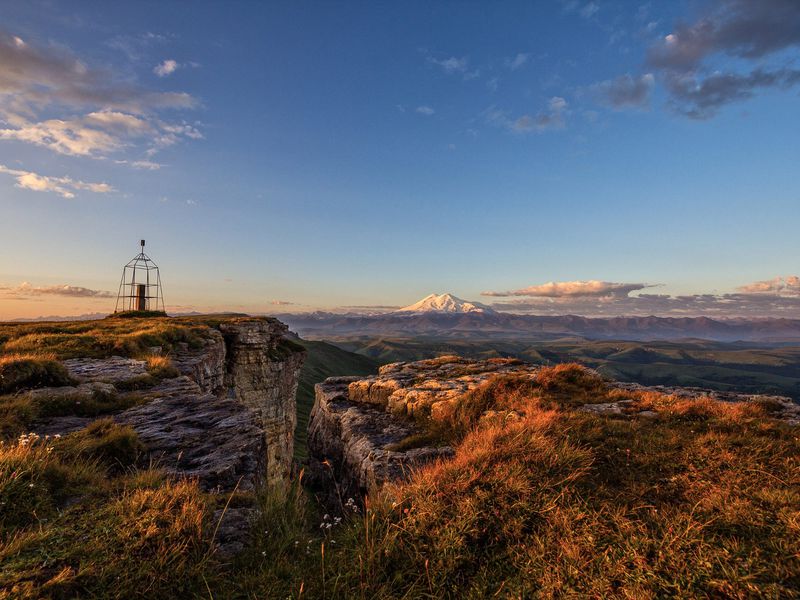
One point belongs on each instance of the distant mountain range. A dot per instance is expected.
(447, 317)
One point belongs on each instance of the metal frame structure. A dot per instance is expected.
(140, 286)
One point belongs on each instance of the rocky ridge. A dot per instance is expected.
(358, 425)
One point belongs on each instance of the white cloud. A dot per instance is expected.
(425, 110)
(564, 289)
(518, 61)
(167, 67)
(90, 111)
(625, 91)
(451, 65)
(779, 286)
(27, 289)
(589, 10)
(551, 118)
(64, 186)
(146, 164)
(777, 297)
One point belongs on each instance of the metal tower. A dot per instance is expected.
(140, 286)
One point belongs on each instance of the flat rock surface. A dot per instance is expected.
(429, 387)
(109, 370)
(216, 440)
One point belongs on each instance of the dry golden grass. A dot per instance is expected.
(158, 362)
(702, 501)
(27, 370)
(72, 524)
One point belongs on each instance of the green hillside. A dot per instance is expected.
(322, 361)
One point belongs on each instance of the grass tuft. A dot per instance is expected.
(25, 371)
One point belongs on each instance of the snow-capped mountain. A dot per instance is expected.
(446, 303)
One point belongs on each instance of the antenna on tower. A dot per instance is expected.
(140, 286)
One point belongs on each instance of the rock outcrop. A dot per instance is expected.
(359, 426)
(227, 420)
(784, 408)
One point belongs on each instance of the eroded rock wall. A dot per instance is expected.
(355, 440)
(262, 373)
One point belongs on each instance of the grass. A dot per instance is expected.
(75, 520)
(116, 447)
(120, 334)
(26, 370)
(100, 339)
(19, 413)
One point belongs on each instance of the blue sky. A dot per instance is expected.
(297, 155)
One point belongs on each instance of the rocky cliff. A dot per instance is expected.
(228, 416)
(369, 431)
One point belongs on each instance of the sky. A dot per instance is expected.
(564, 156)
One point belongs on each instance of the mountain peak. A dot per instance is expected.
(445, 303)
